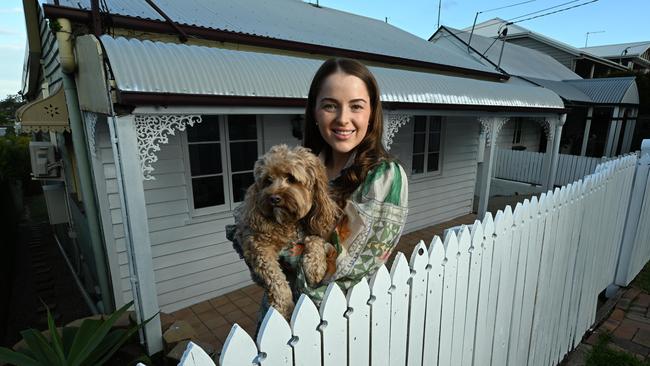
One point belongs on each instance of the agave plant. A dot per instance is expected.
(92, 343)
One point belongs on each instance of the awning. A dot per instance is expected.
(147, 71)
(621, 90)
(47, 114)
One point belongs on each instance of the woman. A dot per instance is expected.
(344, 125)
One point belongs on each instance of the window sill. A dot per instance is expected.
(425, 176)
(200, 217)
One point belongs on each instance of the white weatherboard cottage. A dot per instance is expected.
(168, 108)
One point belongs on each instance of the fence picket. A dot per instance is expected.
(506, 286)
(434, 302)
(358, 315)
(334, 327)
(273, 340)
(448, 299)
(380, 317)
(306, 340)
(418, 263)
(520, 243)
(399, 303)
(487, 292)
(473, 288)
(238, 349)
(193, 356)
(460, 309)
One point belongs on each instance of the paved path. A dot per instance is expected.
(629, 325)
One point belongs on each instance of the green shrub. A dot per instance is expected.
(92, 343)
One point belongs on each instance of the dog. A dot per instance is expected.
(288, 202)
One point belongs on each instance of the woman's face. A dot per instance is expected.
(343, 112)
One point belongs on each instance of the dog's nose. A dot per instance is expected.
(275, 199)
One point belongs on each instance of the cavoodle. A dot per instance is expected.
(288, 202)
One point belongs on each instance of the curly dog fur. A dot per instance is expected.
(288, 202)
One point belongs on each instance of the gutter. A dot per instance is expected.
(146, 25)
(68, 65)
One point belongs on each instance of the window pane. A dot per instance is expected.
(208, 191)
(241, 182)
(418, 143)
(417, 166)
(434, 142)
(432, 162)
(243, 155)
(205, 159)
(420, 123)
(207, 130)
(435, 124)
(242, 127)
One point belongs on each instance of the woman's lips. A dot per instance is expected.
(343, 134)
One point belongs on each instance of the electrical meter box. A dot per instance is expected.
(43, 160)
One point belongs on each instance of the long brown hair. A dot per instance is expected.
(370, 150)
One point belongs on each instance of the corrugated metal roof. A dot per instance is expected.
(563, 89)
(619, 50)
(295, 20)
(516, 60)
(621, 90)
(156, 67)
(490, 28)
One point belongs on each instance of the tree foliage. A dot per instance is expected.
(8, 107)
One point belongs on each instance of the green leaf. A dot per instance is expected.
(84, 350)
(87, 328)
(109, 342)
(43, 352)
(68, 337)
(129, 333)
(16, 358)
(57, 343)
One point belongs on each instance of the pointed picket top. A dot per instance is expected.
(306, 341)
(508, 218)
(451, 245)
(525, 217)
(488, 225)
(380, 281)
(557, 197)
(436, 252)
(273, 340)
(518, 215)
(333, 302)
(477, 234)
(464, 240)
(562, 196)
(499, 224)
(542, 204)
(419, 257)
(238, 349)
(400, 271)
(359, 293)
(194, 356)
(533, 209)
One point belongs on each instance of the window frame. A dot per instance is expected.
(517, 132)
(443, 131)
(227, 173)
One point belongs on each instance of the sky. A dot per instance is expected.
(621, 20)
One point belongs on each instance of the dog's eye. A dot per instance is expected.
(267, 181)
(291, 179)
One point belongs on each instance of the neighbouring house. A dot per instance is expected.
(602, 112)
(634, 55)
(159, 112)
(582, 62)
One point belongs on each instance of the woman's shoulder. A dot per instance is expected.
(386, 182)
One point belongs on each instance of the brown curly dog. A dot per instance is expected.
(288, 202)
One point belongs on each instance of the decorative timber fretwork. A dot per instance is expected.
(392, 124)
(153, 130)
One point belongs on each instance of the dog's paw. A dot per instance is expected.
(281, 299)
(314, 263)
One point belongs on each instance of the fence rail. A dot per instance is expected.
(519, 289)
(528, 166)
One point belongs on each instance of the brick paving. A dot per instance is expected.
(213, 318)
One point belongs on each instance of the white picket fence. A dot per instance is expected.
(527, 166)
(519, 289)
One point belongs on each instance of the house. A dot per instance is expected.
(634, 55)
(580, 61)
(159, 112)
(602, 111)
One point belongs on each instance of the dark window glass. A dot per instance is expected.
(434, 142)
(242, 127)
(435, 124)
(240, 183)
(420, 123)
(208, 191)
(243, 155)
(417, 166)
(205, 159)
(418, 143)
(432, 162)
(207, 130)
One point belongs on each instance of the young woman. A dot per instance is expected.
(344, 126)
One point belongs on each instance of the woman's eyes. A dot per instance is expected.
(357, 107)
(333, 107)
(329, 107)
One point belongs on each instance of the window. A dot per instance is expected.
(427, 131)
(516, 136)
(221, 152)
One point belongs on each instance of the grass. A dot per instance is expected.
(602, 355)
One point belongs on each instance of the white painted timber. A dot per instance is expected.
(358, 315)
(434, 302)
(306, 341)
(194, 356)
(379, 301)
(417, 310)
(238, 349)
(273, 340)
(334, 326)
(399, 306)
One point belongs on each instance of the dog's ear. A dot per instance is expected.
(324, 211)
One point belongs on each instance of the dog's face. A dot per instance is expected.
(285, 183)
